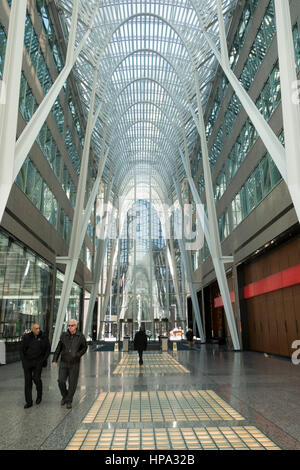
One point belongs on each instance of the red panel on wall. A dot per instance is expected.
(218, 302)
(286, 278)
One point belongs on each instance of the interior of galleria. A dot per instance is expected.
(150, 180)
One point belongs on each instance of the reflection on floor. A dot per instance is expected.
(237, 400)
(160, 406)
(153, 364)
(196, 438)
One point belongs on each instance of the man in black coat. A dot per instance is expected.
(72, 346)
(190, 337)
(34, 352)
(140, 343)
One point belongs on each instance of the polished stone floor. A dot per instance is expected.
(206, 398)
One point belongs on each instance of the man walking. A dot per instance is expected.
(140, 343)
(72, 345)
(190, 337)
(34, 352)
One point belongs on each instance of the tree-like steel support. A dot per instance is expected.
(188, 272)
(10, 107)
(210, 224)
(76, 235)
(290, 106)
(100, 256)
(107, 293)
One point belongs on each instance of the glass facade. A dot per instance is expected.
(258, 185)
(26, 282)
(36, 189)
(266, 175)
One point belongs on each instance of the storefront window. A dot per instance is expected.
(25, 289)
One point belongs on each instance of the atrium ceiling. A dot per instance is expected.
(146, 52)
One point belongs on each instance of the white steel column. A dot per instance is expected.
(188, 272)
(167, 284)
(107, 294)
(290, 109)
(134, 259)
(118, 280)
(101, 250)
(75, 247)
(222, 34)
(100, 256)
(150, 252)
(172, 263)
(89, 207)
(9, 110)
(213, 240)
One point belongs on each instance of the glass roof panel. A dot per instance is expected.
(145, 53)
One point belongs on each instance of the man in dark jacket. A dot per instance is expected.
(190, 337)
(72, 345)
(140, 343)
(34, 352)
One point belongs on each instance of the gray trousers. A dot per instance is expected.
(68, 372)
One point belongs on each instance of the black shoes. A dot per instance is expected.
(28, 405)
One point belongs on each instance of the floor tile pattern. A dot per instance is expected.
(201, 438)
(159, 406)
(183, 407)
(153, 364)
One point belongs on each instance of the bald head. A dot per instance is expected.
(36, 329)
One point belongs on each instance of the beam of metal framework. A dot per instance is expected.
(222, 33)
(188, 272)
(170, 259)
(172, 264)
(290, 102)
(89, 207)
(74, 247)
(100, 256)
(9, 109)
(32, 129)
(213, 240)
(150, 251)
(101, 251)
(118, 283)
(107, 293)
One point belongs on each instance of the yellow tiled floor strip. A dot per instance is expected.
(118, 407)
(160, 407)
(153, 364)
(231, 438)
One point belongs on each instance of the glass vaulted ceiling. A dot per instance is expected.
(146, 53)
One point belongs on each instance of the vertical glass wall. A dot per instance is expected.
(25, 289)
